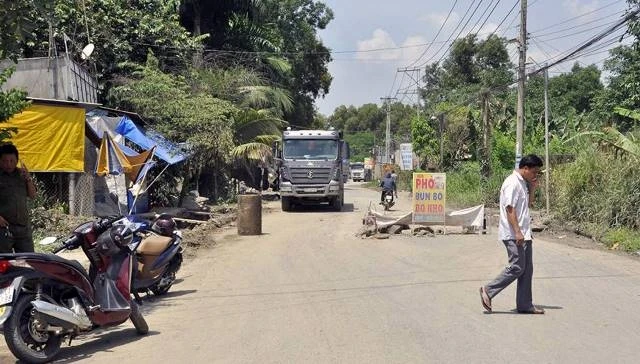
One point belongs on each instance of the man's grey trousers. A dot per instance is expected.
(521, 268)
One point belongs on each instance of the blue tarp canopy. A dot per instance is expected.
(165, 150)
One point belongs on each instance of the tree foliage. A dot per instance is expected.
(11, 101)
(19, 25)
(200, 120)
(121, 31)
(270, 32)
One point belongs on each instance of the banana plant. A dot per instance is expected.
(626, 144)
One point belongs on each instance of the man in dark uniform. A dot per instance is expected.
(16, 186)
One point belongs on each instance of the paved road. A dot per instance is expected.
(308, 290)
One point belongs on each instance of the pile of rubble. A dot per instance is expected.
(372, 229)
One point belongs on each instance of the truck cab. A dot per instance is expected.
(357, 172)
(311, 164)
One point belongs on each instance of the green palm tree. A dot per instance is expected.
(255, 131)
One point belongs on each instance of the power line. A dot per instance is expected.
(452, 33)
(481, 16)
(505, 18)
(225, 51)
(563, 22)
(472, 28)
(461, 30)
(395, 77)
(577, 33)
(487, 18)
(580, 25)
(571, 55)
(596, 38)
(437, 34)
(535, 42)
(401, 84)
(578, 16)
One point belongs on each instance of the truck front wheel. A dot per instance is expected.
(286, 204)
(336, 203)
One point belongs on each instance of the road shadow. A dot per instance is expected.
(515, 312)
(99, 342)
(151, 302)
(323, 208)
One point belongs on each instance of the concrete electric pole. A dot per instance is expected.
(522, 51)
(387, 135)
(546, 137)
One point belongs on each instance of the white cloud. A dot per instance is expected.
(380, 39)
(382, 47)
(437, 19)
(412, 51)
(578, 7)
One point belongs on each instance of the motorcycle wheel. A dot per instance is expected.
(160, 290)
(138, 320)
(25, 342)
(168, 276)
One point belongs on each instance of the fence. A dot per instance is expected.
(73, 192)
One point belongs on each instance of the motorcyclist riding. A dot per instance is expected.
(388, 184)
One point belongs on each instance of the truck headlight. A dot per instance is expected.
(284, 174)
(336, 174)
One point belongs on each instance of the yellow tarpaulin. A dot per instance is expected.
(50, 138)
(112, 160)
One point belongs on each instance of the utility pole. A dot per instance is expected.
(546, 137)
(485, 169)
(522, 50)
(441, 122)
(441, 125)
(387, 135)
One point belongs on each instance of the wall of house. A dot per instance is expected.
(52, 78)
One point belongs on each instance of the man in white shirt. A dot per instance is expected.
(515, 232)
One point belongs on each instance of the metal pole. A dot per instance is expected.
(546, 136)
(521, 79)
(66, 50)
(72, 194)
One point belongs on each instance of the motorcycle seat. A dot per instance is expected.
(52, 258)
(154, 244)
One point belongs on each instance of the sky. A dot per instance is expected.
(371, 39)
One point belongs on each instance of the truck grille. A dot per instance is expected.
(318, 175)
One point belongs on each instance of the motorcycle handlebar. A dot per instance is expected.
(70, 243)
(101, 225)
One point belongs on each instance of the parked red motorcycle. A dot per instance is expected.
(45, 298)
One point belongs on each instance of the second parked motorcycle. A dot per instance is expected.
(158, 252)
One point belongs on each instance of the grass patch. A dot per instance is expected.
(466, 187)
(622, 239)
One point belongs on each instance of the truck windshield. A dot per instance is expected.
(357, 165)
(311, 149)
